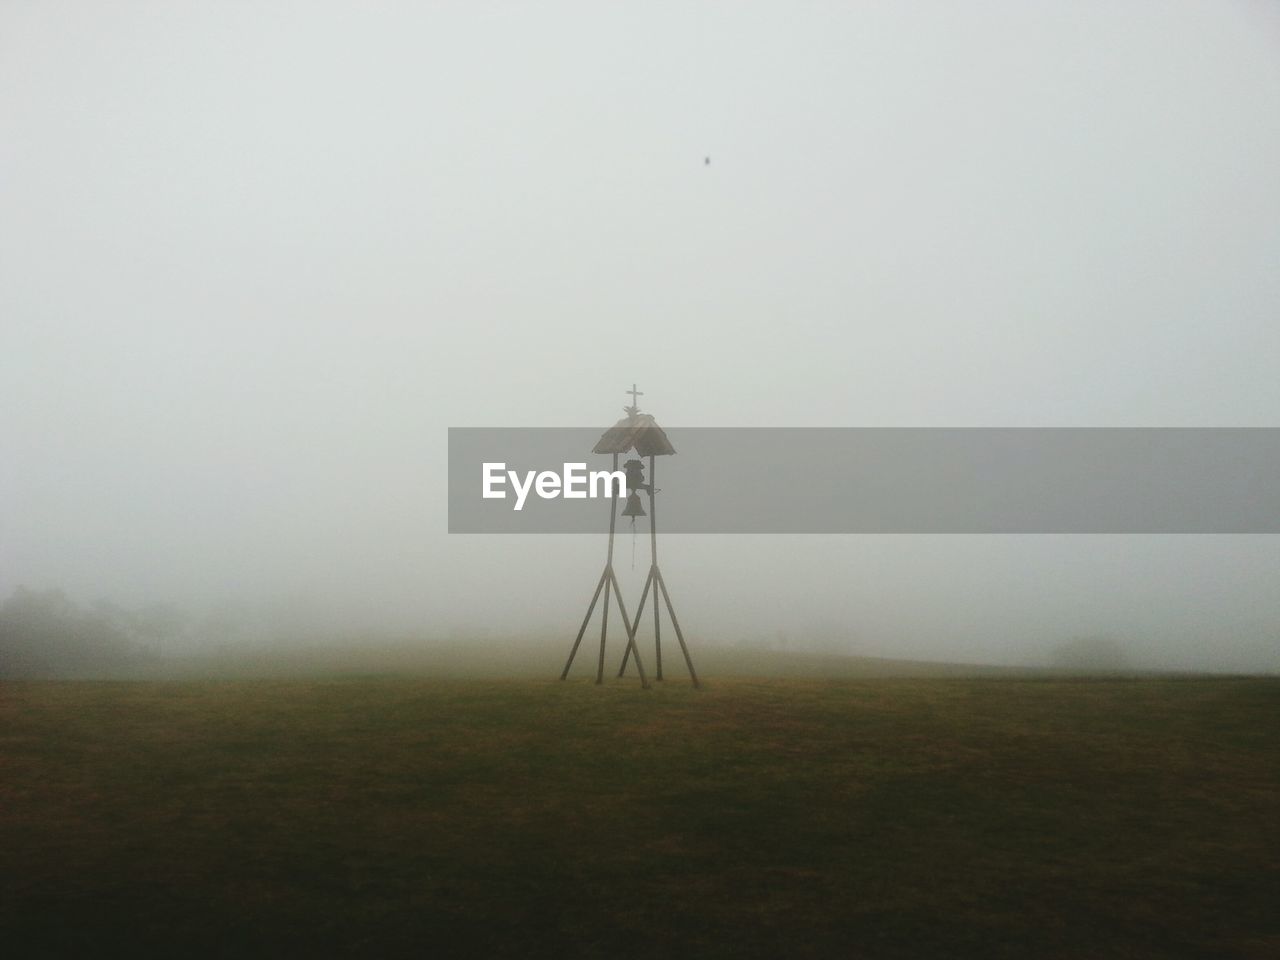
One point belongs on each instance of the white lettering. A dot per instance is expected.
(607, 479)
(493, 474)
(521, 491)
(574, 483)
(548, 484)
(574, 474)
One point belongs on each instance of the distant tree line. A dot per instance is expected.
(1097, 654)
(43, 633)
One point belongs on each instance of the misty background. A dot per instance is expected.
(256, 259)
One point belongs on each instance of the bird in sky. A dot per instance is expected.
(706, 161)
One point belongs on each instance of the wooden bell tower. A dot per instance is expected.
(640, 433)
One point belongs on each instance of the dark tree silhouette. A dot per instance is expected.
(45, 634)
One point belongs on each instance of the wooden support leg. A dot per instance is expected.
(676, 623)
(585, 620)
(653, 559)
(657, 628)
(604, 621)
(636, 626)
(631, 636)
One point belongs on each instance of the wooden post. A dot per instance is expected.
(644, 595)
(604, 622)
(676, 623)
(631, 636)
(585, 620)
(608, 569)
(653, 561)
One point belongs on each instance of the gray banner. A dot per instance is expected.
(910, 480)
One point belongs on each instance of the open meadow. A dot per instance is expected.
(886, 817)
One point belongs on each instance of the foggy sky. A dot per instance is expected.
(256, 258)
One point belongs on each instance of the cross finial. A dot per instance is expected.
(634, 408)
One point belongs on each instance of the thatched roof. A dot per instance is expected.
(639, 432)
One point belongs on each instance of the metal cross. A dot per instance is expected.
(634, 393)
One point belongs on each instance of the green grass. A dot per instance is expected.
(980, 817)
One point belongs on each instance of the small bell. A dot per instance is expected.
(634, 507)
(635, 476)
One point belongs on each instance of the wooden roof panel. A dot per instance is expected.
(639, 432)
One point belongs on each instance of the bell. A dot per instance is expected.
(634, 507)
(635, 475)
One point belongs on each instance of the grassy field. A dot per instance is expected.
(980, 817)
